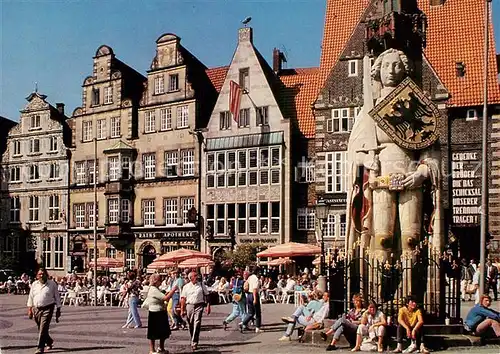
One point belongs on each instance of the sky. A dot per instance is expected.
(50, 43)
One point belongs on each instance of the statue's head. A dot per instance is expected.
(391, 67)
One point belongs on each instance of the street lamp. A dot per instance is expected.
(321, 216)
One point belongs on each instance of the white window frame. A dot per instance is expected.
(130, 258)
(305, 171)
(166, 118)
(125, 210)
(115, 127)
(187, 204)
(111, 252)
(34, 146)
(336, 172)
(149, 122)
(80, 173)
(53, 144)
(343, 118)
(34, 173)
(149, 161)
(352, 67)
(183, 116)
(306, 218)
(16, 148)
(114, 168)
(335, 227)
(54, 207)
(210, 166)
(113, 210)
(54, 171)
(101, 129)
(90, 169)
(47, 252)
(244, 118)
(225, 120)
(171, 163)
(35, 122)
(15, 174)
(34, 208)
(79, 215)
(149, 218)
(15, 209)
(173, 79)
(90, 211)
(87, 130)
(171, 211)
(471, 114)
(58, 252)
(262, 115)
(108, 95)
(159, 85)
(188, 162)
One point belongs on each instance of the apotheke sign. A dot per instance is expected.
(170, 234)
(466, 187)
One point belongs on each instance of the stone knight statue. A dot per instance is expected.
(394, 191)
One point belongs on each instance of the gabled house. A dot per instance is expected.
(34, 189)
(247, 175)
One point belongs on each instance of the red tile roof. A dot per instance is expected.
(217, 76)
(341, 18)
(299, 93)
(455, 33)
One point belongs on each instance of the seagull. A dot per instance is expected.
(246, 20)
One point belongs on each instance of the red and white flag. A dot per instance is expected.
(234, 100)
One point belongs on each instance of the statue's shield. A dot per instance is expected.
(408, 117)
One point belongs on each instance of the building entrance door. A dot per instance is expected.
(148, 255)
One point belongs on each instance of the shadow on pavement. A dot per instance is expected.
(61, 349)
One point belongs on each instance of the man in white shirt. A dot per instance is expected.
(194, 297)
(42, 299)
(253, 301)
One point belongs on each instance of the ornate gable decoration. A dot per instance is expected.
(36, 102)
(408, 117)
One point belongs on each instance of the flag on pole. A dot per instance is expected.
(234, 100)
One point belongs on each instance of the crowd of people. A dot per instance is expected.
(177, 300)
(470, 274)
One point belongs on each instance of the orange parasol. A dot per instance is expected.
(290, 249)
(280, 261)
(317, 261)
(107, 262)
(196, 263)
(182, 254)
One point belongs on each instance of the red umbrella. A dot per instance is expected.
(182, 254)
(280, 261)
(290, 249)
(196, 263)
(158, 264)
(107, 262)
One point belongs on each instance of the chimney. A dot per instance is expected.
(245, 34)
(60, 108)
(278, 60)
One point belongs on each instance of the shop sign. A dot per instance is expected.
(168, 234)
(259, 240)
(335, 199)
(466, 187)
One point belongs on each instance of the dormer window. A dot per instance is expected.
(352, 68)
(471, 114)
(95, 97)
(173, 82)
(159, 85)
(35, 122)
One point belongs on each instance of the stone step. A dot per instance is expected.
(432, 341)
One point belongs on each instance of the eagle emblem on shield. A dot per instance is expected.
(408, 117)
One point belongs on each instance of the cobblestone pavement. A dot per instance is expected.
(98, 330)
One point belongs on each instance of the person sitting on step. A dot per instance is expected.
(372, 327)
(310, 322)
(346, 325)
(410, 323)
(481, 318)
